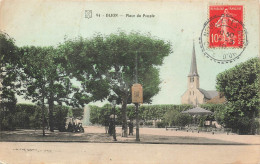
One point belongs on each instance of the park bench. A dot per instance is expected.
(200, 129)
(172, 128)
(222, 130)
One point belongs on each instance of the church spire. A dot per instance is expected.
(193, 66)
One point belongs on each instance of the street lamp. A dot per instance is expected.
(114, 122)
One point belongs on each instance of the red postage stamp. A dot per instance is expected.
(226, 26)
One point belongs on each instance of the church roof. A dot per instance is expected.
(193, 66)
(208, 94)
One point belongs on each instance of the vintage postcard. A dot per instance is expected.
(129, 81)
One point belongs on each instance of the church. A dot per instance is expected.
(195, 95)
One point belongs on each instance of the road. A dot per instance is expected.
(119, 153)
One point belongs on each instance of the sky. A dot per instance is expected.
(44, 23)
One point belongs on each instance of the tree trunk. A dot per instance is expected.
(253, 123)
(124, 117)
(51, 121)
(51, 106)
(43, 118)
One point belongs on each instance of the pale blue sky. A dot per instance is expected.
(43, 23)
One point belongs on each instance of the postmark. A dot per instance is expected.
(224, 37)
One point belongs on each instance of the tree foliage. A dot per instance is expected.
(29, 116)
(102, 67)
(45, 79)
(98, 115)
(217, 109)
(78, 112)
(147, 113)
(240, 86)
(105, 65)
(174, 117)
(122, 53)
(85, 57)
(8, 81)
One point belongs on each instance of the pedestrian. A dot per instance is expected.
(70, 129)
(106, 125)
(131, 127)
(110, 127)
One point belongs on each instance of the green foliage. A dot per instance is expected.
(85, 58)
(182, 119)
(122, 51)
(46, 79)
(28, 116)
(105, 65)
(154, 112)
(7, 111)
(146, 112)
(240, 86)
(170, 116)
(161, 124)
(94, 114)
(174, 117)
(131, 111)
(9, 81)
(60, 114)
(35, 119)
(202, 120)
(78, 112)
(7, 49)
(98, 115)
(217, 109)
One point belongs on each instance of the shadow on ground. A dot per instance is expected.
(36, 136)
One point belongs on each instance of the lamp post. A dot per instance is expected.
(137, 122)
(114, 121)
(137, 97)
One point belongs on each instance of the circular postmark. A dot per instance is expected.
(223, 39)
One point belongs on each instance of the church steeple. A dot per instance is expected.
(193, 77)
(193, 66)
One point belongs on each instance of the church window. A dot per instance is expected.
(192, 79)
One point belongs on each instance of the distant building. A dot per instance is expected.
(194, 94)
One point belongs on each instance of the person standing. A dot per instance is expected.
(131, 127)
(106, 125)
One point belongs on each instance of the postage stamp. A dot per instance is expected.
(226, 30)
(224, 36)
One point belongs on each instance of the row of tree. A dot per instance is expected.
(28, 116)
(146, 112)
(80, 71)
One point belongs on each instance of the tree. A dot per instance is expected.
(217, 109)
(240, 86)
(182, 119)
(46, 81)
(60, 114)
(106, 66)
(134, 56)
(8, 80)
(85, 58)
(170, 116)
(36, 62)
(78, 112)
(175, 117)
